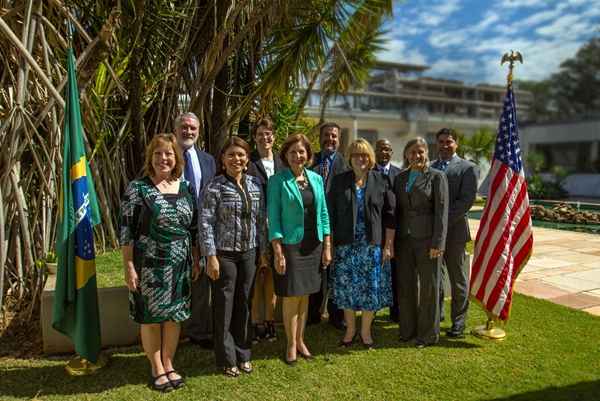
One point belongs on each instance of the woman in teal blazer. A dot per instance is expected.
(299, 232)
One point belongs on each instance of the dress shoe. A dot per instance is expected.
(176, 383)
(162, 387)
(308, 357)
(289, 362)
(455, 334)
(421, 344)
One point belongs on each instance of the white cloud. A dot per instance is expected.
(435, 14)
(451, 68)
(522, 3)
(441, 39)
(538, 18)
(540, 60)
(488, 19)
(567, 26)
(396, 51)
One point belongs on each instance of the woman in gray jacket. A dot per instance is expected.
(421, 226)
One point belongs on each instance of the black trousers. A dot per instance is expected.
(418, 291)
(200, 324)
(315, 302)
(394, 310)
(231, 302)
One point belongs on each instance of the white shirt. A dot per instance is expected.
(269, 166)
(385, 169)
(197, 170)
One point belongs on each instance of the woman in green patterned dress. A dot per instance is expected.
(158, 240)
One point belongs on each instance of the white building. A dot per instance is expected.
(399, 103)
(572, 145)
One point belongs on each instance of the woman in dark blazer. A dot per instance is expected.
(264, 163)
(299, 232)
(361, 204)
(421, 225)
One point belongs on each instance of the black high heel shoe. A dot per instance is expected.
(308, 357)
(368, 346)
(347, 344)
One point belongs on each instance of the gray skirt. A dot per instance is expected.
(302, 270)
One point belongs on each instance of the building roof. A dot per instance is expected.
(400, 66)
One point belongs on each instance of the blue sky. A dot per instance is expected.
(465, 39)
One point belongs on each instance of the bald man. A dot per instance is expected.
(383, 158)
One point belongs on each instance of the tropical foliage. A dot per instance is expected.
(478, 146)
(572, 91)
(140, 64)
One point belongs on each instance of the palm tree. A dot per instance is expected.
(140, 64)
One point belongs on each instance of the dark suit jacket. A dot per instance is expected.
(343, 209)
(462, 189)
(207, 166)
(256, 168)
(422, 213)
(338, 167)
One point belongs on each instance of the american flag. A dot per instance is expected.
(504, 240)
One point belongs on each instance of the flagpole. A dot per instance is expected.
(78, 365)
(489, 331)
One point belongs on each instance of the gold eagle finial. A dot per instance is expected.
(510, 58)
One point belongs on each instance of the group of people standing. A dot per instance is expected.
(330, 234)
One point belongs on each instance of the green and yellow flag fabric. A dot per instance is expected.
(75, 298)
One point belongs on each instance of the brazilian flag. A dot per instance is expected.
(75, 298)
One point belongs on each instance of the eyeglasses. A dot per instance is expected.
(360, 155)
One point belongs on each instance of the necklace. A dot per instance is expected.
(301, 182)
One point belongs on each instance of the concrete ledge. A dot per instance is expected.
(116, 328)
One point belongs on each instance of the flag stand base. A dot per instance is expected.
(79, 366)
(489, 332)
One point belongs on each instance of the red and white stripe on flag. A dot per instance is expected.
(505, 239)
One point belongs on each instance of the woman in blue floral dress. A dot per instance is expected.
(362, 220)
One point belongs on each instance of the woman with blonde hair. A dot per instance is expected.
(421, 225)
(158, 238)
(362, 218)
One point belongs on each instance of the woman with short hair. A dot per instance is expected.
(361, 207)
(300, 236)
(158, 240)
(264, 162)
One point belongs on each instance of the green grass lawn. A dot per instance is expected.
(109, 269)
(551, 353)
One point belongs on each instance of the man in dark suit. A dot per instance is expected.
(328, 163)
(199, 170)
(383, 157)
(462, 188)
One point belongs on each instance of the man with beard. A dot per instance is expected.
(199, 170)
(462, 188)
(328, 163)
(383, 158)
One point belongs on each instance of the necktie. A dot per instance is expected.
(188, 172)
(325, 169)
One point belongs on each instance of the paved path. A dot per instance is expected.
(564, 268)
